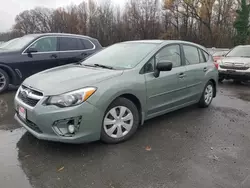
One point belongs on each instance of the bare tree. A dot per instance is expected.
(208, 22)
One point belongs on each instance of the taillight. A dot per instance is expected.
(216, 65)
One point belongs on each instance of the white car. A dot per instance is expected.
(236, 64)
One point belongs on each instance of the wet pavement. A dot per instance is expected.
(189, 148)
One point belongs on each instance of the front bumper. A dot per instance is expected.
(41, 120)
(238, 75)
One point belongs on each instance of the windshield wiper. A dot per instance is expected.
(98, 65)
(103, 66)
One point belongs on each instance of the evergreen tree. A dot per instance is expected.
(241, 23)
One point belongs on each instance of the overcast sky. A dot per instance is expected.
(10, 8)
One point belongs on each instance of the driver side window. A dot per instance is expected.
(170, 53)
(47, 44)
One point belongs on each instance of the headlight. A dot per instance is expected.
(72, 98)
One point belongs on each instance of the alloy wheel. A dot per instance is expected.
(2, 81)
(118, 122)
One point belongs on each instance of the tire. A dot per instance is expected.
(237, 81)
(204, 102)
(117, 132)
(4, 78)
(221, 80)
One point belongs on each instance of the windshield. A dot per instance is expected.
(239, 51)
(18, 43)
(122, 55)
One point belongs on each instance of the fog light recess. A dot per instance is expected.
(67, 127)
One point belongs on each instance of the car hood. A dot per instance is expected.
(7, 53)
(68, 78)
(240, 60)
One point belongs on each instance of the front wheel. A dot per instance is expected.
(207, 95)
(120, 121)
(4, 81)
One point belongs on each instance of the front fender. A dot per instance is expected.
(111, 89)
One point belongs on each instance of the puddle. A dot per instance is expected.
(244, 97)
(7, 112)
(11, 173)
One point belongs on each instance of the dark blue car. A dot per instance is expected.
(33, 53)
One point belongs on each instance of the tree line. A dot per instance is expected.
(220, 23)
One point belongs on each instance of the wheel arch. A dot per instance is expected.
(11, 73)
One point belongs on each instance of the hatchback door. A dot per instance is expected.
(166, 92)
(44, 56)
(73, 49)
(196, 68)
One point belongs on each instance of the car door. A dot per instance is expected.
(167, 91)
(196, 68)
(73, 49)
(42, 54)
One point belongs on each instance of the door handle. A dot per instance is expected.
(205, 69)
(53, 56)
(182, 75)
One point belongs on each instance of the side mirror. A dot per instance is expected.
(32, 50)
(163, 66)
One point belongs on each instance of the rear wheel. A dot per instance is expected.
(207, 95)
(4, 80)
(120, 121)
(221, 80)
(237, 81)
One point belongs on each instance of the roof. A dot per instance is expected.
(165, 42)
(145, 41)
(58, 34)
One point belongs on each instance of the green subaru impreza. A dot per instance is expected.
(111, 93)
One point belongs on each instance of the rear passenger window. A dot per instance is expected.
(206, 55)
(87, 44)
(191, 55)
(68, 44)
(202, 57)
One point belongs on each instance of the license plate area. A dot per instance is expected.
(22, 112)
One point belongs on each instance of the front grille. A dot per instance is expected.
(233, 68)
(33, 91)
(29, 96)
(27, 100)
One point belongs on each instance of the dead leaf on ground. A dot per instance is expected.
(148, 148)
(60, 169)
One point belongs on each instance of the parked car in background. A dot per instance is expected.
(33, 53)
(5, 44)
(236, 64)
(114, 91)
(219, 55)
